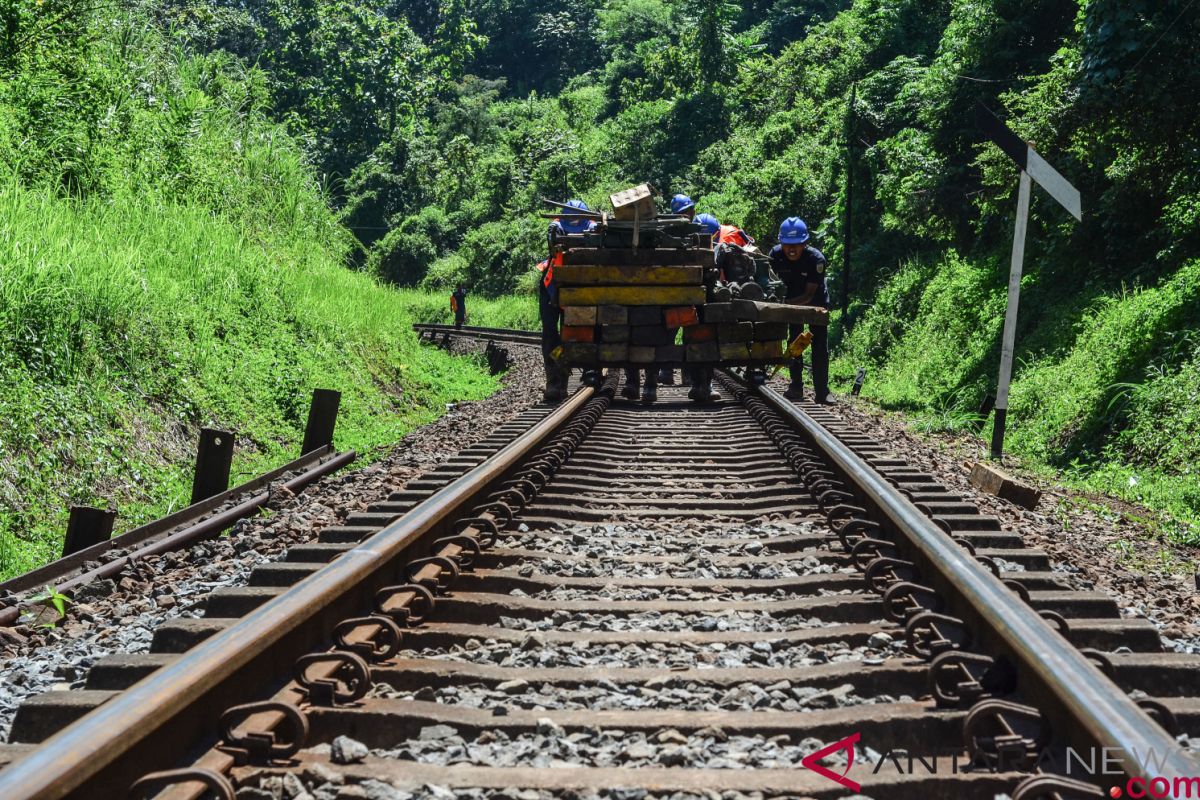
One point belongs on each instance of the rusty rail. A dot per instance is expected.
(153, 722)
(1088, 701)
(506, 335)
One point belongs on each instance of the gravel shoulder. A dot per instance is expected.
(1098, 542)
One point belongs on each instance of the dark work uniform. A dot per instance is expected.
(460, 307)
(550, 313)
(809, 268)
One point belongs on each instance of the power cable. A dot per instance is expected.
(1150, 50)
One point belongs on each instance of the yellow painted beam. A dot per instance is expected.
(631, 295)
(597, 275)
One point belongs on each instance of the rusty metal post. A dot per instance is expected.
(214, 457)
(322, 418)
(87, 526)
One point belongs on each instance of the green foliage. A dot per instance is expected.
(168, 261)
(1106, 390)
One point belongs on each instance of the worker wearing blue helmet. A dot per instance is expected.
(548, 306)
(802, 269)
(683, 206)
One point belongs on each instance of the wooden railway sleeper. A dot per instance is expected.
(154, 783)
(262, 746)
(347, 677)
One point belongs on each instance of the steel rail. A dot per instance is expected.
(213, 525)
(56, 570)
(100, 745)
(1098, 705)
(508, 335)
(53, 574)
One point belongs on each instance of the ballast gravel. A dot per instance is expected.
(1096, 542)
(608, 696)
(552, 747)
(535, 652)
(320, 783)
(120, 616)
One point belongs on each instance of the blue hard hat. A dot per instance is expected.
(707, 221)
(681, 203)
(576, 224)
(793, 231)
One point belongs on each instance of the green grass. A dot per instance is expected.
(518, 311)
(1105, 387)
(128, 323)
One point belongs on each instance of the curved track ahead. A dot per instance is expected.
(664, 598)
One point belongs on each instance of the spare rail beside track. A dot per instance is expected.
(214, 508)
(433, 332)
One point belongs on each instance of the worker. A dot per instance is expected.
(682, 206)
(802, 269)
(701, 377)
(458, 304)
(548, 306)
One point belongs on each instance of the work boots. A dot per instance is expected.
(795, 391)
(556, 382)
(633, 382)
(666, 376)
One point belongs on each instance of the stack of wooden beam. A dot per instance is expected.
(626, 306)
(634, 307)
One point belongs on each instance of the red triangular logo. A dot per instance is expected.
(847, 744)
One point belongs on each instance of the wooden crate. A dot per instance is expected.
(614, 333)
(612, 315)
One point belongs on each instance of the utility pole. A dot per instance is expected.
(849, 201)
(1033, 168)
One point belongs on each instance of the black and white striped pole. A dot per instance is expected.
(1033, 168)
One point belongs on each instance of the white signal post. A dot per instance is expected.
(1033, 168)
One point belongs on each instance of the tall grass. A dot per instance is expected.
(1105, 387)
(518, 311)
(127, 323)
(169, 261)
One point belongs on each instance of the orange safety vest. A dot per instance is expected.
(453, 303)
(547, 268)
(732, 234)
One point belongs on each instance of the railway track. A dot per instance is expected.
(627, 600)
(432, 332)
